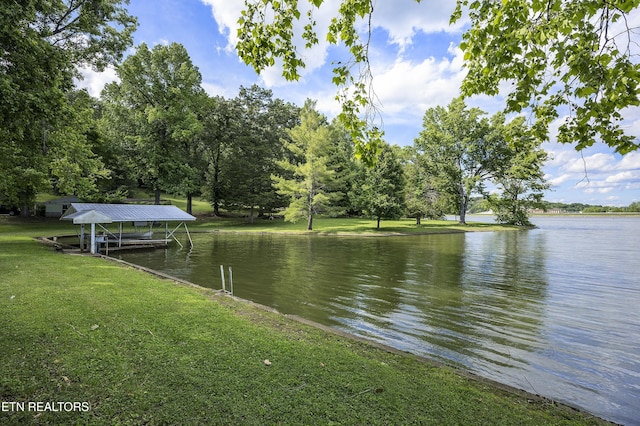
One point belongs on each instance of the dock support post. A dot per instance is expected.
(82, 237)
(224, 289)
(93, 238)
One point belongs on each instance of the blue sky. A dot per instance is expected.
(416, 65)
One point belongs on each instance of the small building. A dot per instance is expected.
(55, 208)
(147, 217)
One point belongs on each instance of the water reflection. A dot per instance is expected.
(550, 312)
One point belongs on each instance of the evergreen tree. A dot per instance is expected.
(308, 188)
(257, 147)
(381, 192)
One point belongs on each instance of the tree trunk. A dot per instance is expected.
(216, 182)
(251, 215)
(464, 200)
(157, 197)
(310, 221)
(189, 203)
(378, 225)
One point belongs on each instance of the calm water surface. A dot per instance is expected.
(554, 311)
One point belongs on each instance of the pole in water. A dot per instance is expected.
(231, 280)
(222, 275)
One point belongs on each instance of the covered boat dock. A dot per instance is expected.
(144, 217)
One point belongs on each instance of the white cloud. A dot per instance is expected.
(213, 89)
(95, 81)
(408, 89)
(630, 161)
(626, 176)
(594, 172)
(226, 14)
(560, 179)
(403, 22)
(596, 163)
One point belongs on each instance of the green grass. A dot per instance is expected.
(143, 350)
(344, 226)
(198, 205)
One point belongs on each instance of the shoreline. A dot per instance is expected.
(218, 294)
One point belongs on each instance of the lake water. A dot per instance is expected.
(553, 310)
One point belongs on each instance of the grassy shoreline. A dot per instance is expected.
(346, 226)
(145, 350)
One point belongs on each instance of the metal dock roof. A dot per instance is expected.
(128, 212)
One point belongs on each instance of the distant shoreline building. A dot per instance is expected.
(550, 211)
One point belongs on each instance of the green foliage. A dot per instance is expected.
(266, 33)
(588, 208)
(562, 57)
(311, 177)
(422, 198)
(155, 106)
(461, 150)
(253, 156)
(557, 54)
(380, 193)
(74, 167)
(220, 123)
(521, 182)
(42, 44)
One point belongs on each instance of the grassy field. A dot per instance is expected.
(341, 226)
(135, 349)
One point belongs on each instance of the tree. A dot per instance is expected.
(422, 198)
(462, 150)
(522, 182)
(341, 160)
(381, 192)
(256, 149)
(74, 167)
(579, 55)
(42, 44)
(311, 176)
(220, 126)
(158, 93)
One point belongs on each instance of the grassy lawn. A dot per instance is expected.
(143, 350)
(342, 226)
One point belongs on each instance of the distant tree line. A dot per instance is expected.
(590, 208)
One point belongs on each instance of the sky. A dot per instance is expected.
(416, 65)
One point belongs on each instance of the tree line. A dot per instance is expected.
(590, 208)
(156, 128)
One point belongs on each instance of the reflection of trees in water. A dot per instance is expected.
(464, 298)
(331, 279)
(504, 286)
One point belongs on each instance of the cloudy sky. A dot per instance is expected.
(416, 66)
